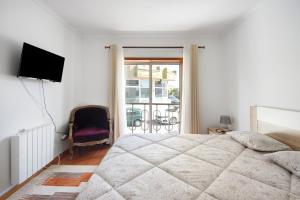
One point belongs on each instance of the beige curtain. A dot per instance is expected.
(117, 92)
(190, 122)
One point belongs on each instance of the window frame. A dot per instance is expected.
(151, 62)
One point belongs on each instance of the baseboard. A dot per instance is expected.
(6, 190)
(12, 189)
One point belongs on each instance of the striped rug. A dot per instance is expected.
(61, 182)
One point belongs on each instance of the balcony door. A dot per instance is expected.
(153, 95)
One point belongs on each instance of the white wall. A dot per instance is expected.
(255, 62)
(26, 21)
(95, 79)
(262, 59)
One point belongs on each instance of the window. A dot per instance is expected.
(153, 95)
(132, 82)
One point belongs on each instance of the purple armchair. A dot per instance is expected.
(89, 125)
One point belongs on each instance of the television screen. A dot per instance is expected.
(40, 64)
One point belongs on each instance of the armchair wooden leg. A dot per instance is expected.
(71, 148)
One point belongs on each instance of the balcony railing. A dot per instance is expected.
(153, 117)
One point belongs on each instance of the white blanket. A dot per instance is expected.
(183, 167)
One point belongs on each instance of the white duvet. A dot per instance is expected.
(184, 167)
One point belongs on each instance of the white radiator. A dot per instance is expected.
(31, 150)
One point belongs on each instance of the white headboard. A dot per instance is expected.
(281, 124)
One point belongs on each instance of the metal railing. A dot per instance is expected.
(153, 117)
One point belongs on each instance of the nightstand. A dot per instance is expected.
(218, 130)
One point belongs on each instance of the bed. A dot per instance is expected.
(196, 167)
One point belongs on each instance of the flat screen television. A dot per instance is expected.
(40, 64)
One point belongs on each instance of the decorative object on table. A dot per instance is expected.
(89, 125)
(225, 121)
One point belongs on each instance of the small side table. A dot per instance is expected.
(218, 130)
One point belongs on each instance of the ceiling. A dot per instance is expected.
(107, 16)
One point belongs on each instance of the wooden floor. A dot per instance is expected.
(90, 155)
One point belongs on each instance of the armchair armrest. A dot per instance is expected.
(71, 131)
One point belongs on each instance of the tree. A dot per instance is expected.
(174, 92)
(165, 73)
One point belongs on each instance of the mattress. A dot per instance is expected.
(187, 166)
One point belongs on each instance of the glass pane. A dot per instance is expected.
(137, 83)
(158, 83)
(145, 93)
(132, 82)
(132, 95)
(166, 83)
(137, 91)
(137, 118)
(158, 92)
(165, 118)
(144, 83)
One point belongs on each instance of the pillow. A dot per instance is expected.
(289, 160)
(257, 141)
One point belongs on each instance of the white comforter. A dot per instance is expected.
(183, 167)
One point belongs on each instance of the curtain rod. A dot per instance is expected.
(154, 47)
